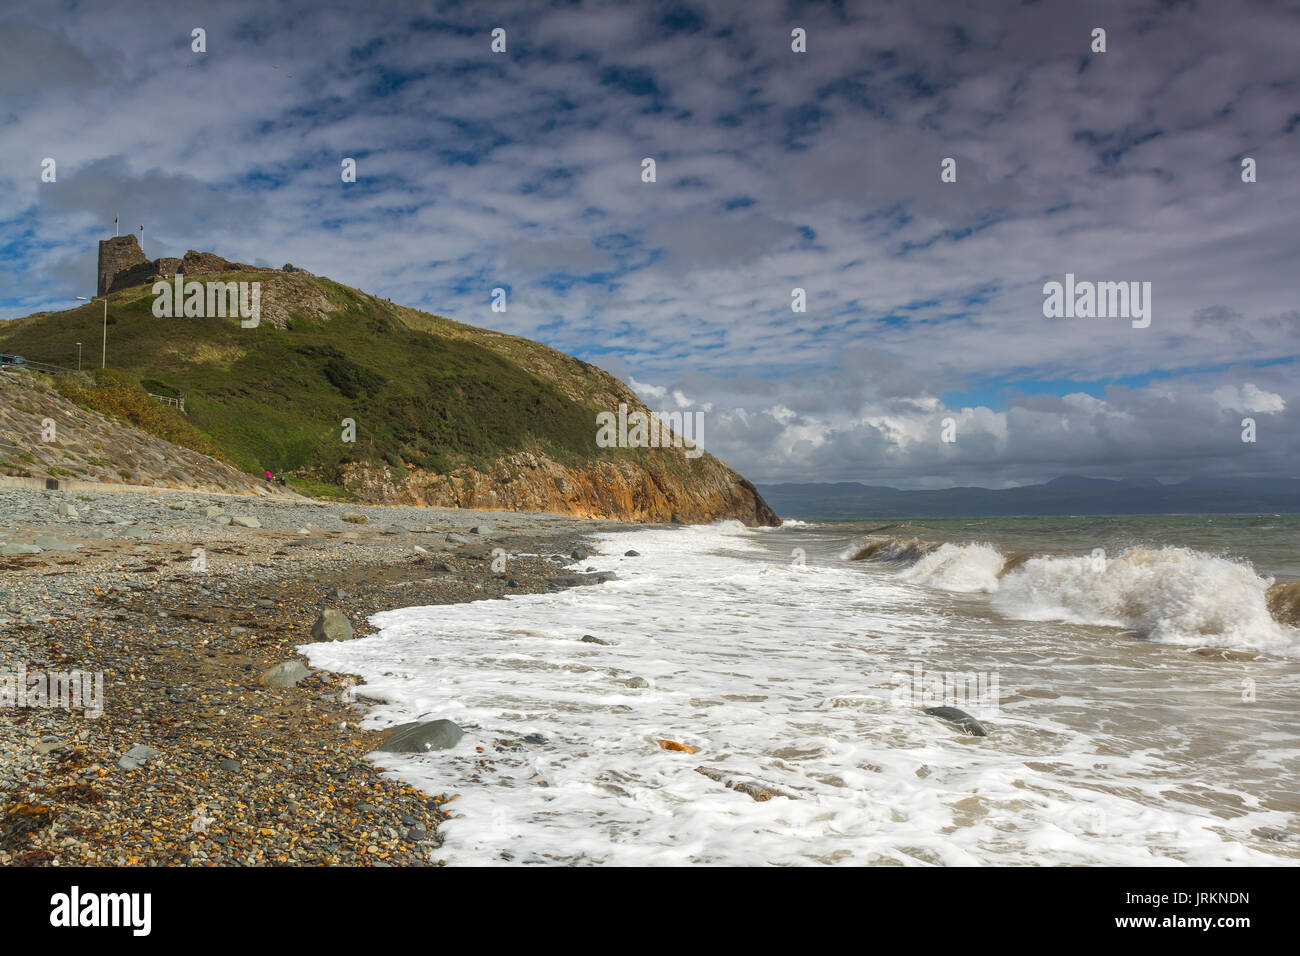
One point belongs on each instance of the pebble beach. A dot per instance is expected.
(217, 745)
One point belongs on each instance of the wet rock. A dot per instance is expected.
(751, 788)
(960, 719)
(589, 639)
(331, 625)
(573, 580)
(677, 746)
(631, 554)
(637, 682)
(422, 736)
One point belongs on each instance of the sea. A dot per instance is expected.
(761, 697)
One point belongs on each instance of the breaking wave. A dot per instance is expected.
(1172, 594)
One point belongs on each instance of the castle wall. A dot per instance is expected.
(116, 255)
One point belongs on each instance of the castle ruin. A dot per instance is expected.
(122, 264)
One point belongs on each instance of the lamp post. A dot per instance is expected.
(78, 356)
(103, 363)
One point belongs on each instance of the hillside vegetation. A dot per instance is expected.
(430, 398)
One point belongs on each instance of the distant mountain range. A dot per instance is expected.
(1069, 495)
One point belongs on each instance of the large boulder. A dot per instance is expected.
(419, 737)
(331, 625)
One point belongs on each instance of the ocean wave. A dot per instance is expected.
(1172, 594)
(897, 550)
(959, 567)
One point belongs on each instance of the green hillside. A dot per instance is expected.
(424, 392)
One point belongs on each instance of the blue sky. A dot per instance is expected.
(775, 170)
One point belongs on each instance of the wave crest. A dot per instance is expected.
(1171, 594)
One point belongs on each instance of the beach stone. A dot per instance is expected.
(636, 682)
(284, 674)
(572, 580)
(244, 522)
(578, 554)
(222, 520)
(959, 718)
(589, 639)
(138, 756)
(631, 554)
(54, 544)
(20, 549)
(331, 625)
(231, 766)
(422, 736)
(211, 511)
(459, 539)
(67, 510)
(480, 529)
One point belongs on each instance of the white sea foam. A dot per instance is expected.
(1173, 595)
(781, 676)
(959, 567)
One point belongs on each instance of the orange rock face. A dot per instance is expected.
(699, 492)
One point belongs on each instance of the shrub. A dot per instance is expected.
(118, 394)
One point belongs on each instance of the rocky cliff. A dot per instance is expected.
(441, 413)
(527, 482)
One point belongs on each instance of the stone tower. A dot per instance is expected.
(116, 254)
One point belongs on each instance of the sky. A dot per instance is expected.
(774, 170)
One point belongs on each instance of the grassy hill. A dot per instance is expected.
(429, 396)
